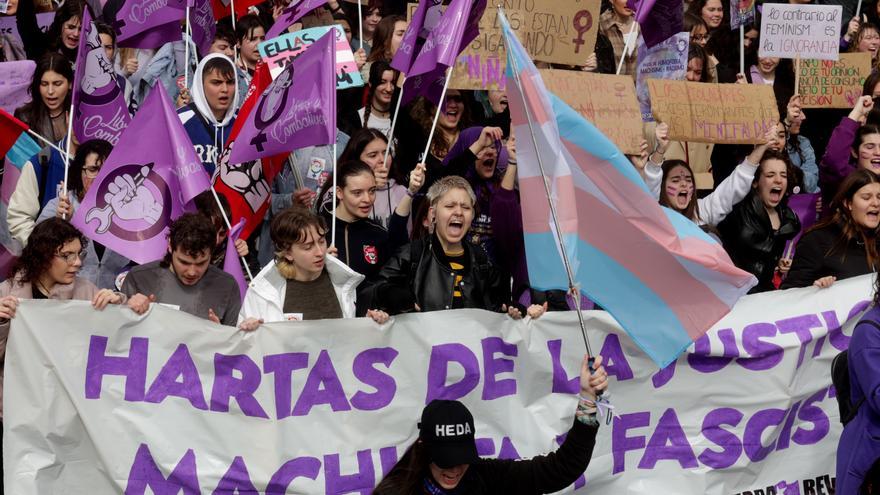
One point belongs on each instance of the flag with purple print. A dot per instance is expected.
(658, 19)
(458, 26)
(663, 279)
(148, 23)
(418, 30)
(297, 110)
(144, 184)
(100, 110)
(232, 262)
(291, 14)
(202, 25)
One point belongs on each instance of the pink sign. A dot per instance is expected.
(280, 51)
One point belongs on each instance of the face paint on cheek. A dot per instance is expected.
(672, 191)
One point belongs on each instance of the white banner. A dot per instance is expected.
(798, 30)
(108, 402)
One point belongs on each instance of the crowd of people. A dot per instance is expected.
(435, 232)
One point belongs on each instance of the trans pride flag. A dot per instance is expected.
(663, 279)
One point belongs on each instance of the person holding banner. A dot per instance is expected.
(755, 233)
(444, 458)
(100, 266)
(843, 244)
(673, 183)
(371, 15)
(305, 281)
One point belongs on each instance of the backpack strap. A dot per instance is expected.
(855, 408)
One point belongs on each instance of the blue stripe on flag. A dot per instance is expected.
(607, 282)
(22, 150)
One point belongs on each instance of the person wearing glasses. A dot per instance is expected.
(100, 266)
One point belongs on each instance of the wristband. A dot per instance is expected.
(410, 193)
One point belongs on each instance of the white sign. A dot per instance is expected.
(799, 30)
(112, 403)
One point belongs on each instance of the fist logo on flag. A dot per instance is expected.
(245, 178)
(130, 203)
(98, 73)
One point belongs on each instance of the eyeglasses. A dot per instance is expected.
(70, 258)
(91, 172)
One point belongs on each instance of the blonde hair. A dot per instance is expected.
(446, 184)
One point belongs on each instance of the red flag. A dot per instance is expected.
(10, 129)
(223, 8)
(247, 186)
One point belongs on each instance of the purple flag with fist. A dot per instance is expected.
(100, 111)
(144, 184)
(297, 110)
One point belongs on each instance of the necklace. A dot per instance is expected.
(380, 113)
(53, 117)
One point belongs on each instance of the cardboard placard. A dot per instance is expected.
(551, 31)
(798, 30)
(606, 100)
(714, 113)
(280, 51)
(834, 84)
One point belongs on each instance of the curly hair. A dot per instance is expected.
(193, 233)
(46, 240)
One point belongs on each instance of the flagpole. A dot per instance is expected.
(742, 49)
(437, 114)
(186, 56)
(565, 261)
(229, 229)
(66, 154)
(361, 27)
(393, 122)
(626, 42)
(48, 143)
(333, 224)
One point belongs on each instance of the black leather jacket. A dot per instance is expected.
(416, 268)
(751, 242)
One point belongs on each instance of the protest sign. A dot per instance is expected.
(15, 78)
(606, 100)
(714, 113)
(666, 60)
(9, 26)
(834, 84)
(127, 406)
(800, 31)
(280, 51)
(741, 12)
(551, 31)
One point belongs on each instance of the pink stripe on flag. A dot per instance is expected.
(10, 180)
(532, 87)
(656, 267)
(536, 218)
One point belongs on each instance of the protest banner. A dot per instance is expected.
(127, 406)
(834, 84)
(9, 26)
(666, 60)
(714, 113)
(552, 31)
(800, 31)
(15, 79)
(280, 51)
(606, 100)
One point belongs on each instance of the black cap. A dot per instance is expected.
(447, 428)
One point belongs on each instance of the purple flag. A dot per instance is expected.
(203, 25)
(232, 263)
(297, 110)
(291, 14)
(458, 26)
(804, 206)
(658, 19)
(416, 33)
(148, 23)
(100, 110)
(147, 181)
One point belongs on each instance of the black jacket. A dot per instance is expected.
(752, 243)
(813, 258)
(429, 281)
(542, 474)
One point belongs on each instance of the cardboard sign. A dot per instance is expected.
(714, 113)
(667, 60)
(606, 100)
(551, 31)
(834, 84)
(797, 30)
(280, 51)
